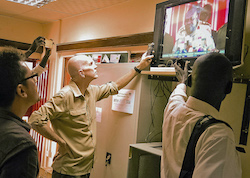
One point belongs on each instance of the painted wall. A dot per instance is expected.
(19, 30)
(137, 16)
(133, 16)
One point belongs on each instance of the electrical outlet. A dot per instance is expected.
(108, 158)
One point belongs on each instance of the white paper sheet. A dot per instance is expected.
(98, 114)
(114, 58)
(124, 101)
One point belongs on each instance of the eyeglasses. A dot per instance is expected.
(35, 76)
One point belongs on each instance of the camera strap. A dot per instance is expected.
(189, 159)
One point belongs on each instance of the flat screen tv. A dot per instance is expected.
(186, 29)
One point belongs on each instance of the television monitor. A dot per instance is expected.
(186, 29)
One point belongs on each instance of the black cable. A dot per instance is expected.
(247, 48)
(154, 136)
(158, 91)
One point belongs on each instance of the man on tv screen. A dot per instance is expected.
(196, 34)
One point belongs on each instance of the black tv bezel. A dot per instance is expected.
(234, 35)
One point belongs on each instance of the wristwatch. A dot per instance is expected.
(137, 70)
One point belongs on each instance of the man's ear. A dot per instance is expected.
(228, 88)
(81, 73)
(21, 91)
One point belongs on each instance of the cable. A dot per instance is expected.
(154, 136)
(159, 91)
(247, 48)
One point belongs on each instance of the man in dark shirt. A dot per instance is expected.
(18, 91)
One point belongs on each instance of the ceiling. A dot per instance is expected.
(53, 11)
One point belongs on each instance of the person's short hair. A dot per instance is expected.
(211, 70)
(11, 73)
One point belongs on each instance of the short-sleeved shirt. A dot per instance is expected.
(215, 152)
(73, 117)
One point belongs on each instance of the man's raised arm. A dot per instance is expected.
(124, 80)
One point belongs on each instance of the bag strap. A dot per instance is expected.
(201, 125)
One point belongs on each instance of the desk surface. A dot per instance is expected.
(153, 148)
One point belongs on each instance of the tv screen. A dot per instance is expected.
(186, 29)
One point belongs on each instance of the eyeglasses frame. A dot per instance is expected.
(32, 76)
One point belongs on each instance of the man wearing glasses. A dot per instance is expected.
(18, 91)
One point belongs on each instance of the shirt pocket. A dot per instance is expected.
(77, 112)
(79, 117)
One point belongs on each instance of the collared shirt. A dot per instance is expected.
(18, 152)
(73, 117)
(215, 153)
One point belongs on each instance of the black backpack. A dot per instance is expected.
(200, 126)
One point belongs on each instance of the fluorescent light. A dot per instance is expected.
(36, 3)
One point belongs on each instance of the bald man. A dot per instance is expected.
(72, 112)
(215, 151)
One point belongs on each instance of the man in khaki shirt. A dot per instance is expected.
(72, 112)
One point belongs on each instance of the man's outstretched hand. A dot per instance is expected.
(182, 74)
